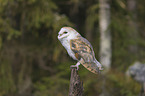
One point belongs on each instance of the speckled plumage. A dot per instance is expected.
(79, 49)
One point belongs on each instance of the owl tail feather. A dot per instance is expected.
(99, 65)
(92, 67)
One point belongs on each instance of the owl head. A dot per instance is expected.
(67, 32)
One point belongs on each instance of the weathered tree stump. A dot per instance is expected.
(76, 86)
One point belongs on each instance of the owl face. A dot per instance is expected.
(67, 32)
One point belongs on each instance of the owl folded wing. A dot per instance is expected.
(82, 49)
(84, 52)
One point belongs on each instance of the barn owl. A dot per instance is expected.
(79, 49)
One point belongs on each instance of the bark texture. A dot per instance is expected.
(76, 86)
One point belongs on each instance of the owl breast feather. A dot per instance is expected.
(66, 44)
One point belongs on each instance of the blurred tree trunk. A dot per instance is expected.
(105, 40)
(131, 6)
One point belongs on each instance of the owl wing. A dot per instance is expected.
(83, 49)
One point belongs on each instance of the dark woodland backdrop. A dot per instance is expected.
(34, 63)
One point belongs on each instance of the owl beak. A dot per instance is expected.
(60, 35)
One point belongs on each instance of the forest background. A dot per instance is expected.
(34, 63)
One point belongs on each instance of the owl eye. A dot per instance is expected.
(65, 32)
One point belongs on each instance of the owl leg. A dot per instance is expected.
(77, 65)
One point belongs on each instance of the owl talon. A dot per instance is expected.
(72, 66)
(101, 68)
(77, 65)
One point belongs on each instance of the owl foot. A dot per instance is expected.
(77, 65)
(100, 68)
(72, 66)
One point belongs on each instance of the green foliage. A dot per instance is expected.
(119, 30)
(124, 37)
(0, 42)
(92, 17)
(58, 82)
(52, 86)
(7, 82)
(120, 85)
(20, 22)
